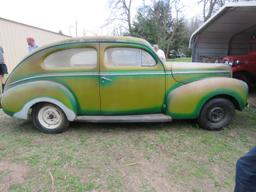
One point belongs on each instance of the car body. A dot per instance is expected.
(244, 66)
(116, 79)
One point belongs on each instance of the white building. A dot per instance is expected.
(13, 37)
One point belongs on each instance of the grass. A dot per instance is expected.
(176, 156)
(182, 59)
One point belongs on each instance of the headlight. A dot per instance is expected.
(237, 62)
(229, 62)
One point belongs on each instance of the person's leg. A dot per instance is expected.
(1, 82)
(246, 172)
(3, 75)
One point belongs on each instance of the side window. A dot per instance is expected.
(147, 59)
(72, 58)
(128, 57)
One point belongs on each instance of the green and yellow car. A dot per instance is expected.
(118, 79)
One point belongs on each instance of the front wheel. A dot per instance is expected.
(49, 118)
(216, 114)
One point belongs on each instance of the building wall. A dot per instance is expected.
(210, 48)
(13, 40)
(240, 43)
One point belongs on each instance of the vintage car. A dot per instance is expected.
(118, 79)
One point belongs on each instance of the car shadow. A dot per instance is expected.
(27, 126)
(106, 127)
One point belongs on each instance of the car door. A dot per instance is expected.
(76, 66)
(132, 80)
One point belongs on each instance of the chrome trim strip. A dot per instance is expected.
(117, 74)
(85, 74)
(163, 73)
(56, 75)
(125, 118)
(200, 72)
(132, 73)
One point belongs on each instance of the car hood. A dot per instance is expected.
(233, 58)
(188, 72)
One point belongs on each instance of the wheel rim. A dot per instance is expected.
(216, 114)
(50, 117)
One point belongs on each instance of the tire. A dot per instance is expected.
(49, 118)
(216, 114)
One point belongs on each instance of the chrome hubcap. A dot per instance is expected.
(216, 114)
(50, 117)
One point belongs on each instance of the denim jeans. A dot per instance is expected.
(246, 172)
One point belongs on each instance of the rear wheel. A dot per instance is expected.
(49, 118)
(216, 114)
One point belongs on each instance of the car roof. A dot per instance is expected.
(127, 39)
(99, 39)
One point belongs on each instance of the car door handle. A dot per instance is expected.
(105, 79)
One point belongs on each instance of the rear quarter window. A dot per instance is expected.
(72, 58)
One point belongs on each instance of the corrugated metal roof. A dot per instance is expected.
(214, 36)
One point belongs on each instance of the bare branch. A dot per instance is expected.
(121, 11)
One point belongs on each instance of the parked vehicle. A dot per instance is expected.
(118, 79)
(244, 66)
(176, 54)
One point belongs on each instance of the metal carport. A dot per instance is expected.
(228, 32)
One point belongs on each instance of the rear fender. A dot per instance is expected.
(17, 100)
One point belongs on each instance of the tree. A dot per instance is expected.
(153, 22)
(157, 24)
(190, 26)
(193, 24)
(179, 39)
(121, 11)
(211, 6)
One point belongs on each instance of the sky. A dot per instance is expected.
(56, 15)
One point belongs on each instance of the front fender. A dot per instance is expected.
(186, 101)
(17, 100)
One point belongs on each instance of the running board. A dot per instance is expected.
(148, 118)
